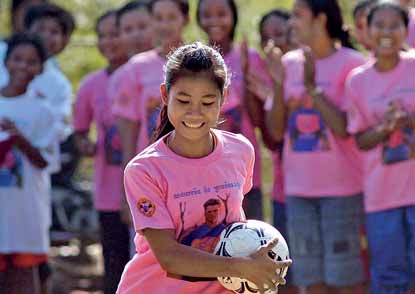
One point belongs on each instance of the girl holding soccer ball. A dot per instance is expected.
(184, 188)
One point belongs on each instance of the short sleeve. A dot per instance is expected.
(125, 92)
(83, 113)
(146, 199)
(249, 171)
(356, 117)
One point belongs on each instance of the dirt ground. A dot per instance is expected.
(76, 272)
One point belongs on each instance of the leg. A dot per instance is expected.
(387, 239)
(115, 248)
(410, 219)
(341, 231)
(23, 281)
(303, 225)
(45, 273)
(253, 204)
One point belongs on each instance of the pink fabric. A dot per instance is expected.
(93, 104)
(389, 167)
(237, 120)
(410, 40)
(316, 162)
(160, 199)
(137, 93)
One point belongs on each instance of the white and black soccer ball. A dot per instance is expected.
(242, 239)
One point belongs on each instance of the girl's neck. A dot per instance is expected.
(225, 46)
(12, 91)
(115, 64)
(191, 149)
(384, 64)
(322, 48)
(165, 49)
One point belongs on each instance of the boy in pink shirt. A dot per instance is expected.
(382, 117)
(178, 219)
(93, 104)
(241, 110)
(320, 162)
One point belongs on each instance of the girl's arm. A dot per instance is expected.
(276, 118)
(33, 154)
(129, 131)
(83, 144)
(370, 138)
(335, 119)
(178, 259)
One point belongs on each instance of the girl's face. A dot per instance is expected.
(136, 31)
(305, 26)
(387, 32)
(276, 29)
(51, 33)
(23, 64)
(360, 27)
(109, 40)
(216, 19)
(193, 105)
(169, 22)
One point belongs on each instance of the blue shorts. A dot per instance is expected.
(324, 238)
(391, 237)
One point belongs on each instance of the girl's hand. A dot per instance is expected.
(274, 64)
(395, 118)
(259, 87)
(9, 127)
(262, 270)
(244, 55)
(309, 69)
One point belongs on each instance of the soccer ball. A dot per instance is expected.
(242, 239)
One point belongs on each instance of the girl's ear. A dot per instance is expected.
(163, 91)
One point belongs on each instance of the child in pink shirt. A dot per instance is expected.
(93, 105)
(218, 18)
(179, 218)
(136, 85)
(321, 163)
(382, 117)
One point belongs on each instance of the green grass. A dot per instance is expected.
(82, 57)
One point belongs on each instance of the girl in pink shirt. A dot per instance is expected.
(188, 185)
(92, 106)
(321, 168)
(136, 86)
(382, 116)
(218, 18)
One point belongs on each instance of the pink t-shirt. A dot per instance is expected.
(137, 94)
(93, 104)
(410, 40)
(388, 168)
(195, 197)
(233, 110)
(316, 162)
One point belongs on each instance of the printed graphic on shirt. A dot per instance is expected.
(11, 170)
(399, 147)
(307, 130)
(205, 237)
(146, 207)
(232, 120)
(112, 145)
(152, 115)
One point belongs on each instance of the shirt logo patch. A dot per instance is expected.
(146, 207)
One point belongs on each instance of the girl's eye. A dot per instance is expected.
(208, 103)
(183, 101)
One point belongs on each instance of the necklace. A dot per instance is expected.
(169, 138)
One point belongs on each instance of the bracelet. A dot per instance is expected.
(315, 91)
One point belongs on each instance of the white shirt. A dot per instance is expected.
(24, 189)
